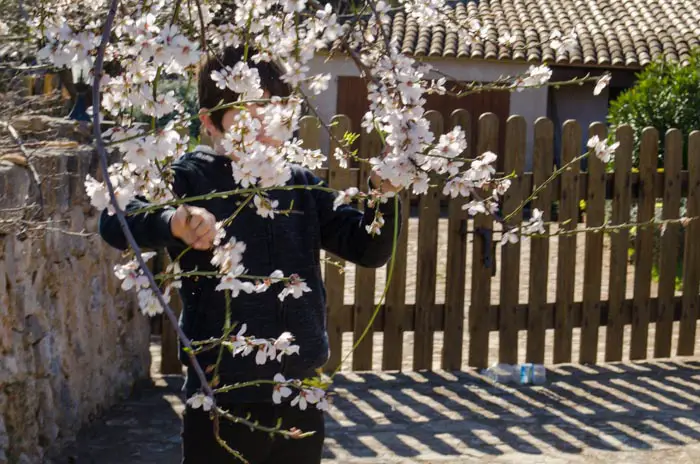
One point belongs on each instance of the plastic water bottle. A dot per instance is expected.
(523, 374)
(531, 374)
(502, 373)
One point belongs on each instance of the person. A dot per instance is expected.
(289, 242)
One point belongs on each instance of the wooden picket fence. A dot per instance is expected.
(509, 316)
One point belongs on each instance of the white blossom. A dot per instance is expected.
(131, 274)
(199, 400)
(231, 282)
(535, 225)
(536, 76)
(265, 349)
(295, 287)
(148, 302)
(601, 149)
(507, 39)
(345, 197)
(265, 207)
(229, 256)
(280, 390)
(97, 191)
(603, 81)
(567, 43)
(310, 395)
(241, 79)
(283, 346)
(274, 277)
(294, 153)
(319, 83)
(510, 236)
(375, 228)
(220, 233)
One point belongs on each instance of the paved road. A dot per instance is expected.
(640, 413)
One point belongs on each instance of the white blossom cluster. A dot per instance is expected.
(601, 149)
(534, 226)
(265, 349)
(307, 395)
(283, 388)
(133, 278)
(229, 259)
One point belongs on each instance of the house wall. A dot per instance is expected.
(579, 103)
(530, 103)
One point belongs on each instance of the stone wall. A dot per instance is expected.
(71, 341)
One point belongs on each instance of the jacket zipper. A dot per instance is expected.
(278, 304)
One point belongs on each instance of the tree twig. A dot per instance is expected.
(28, 158)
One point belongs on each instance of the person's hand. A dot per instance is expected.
(383, 185)
(194, 226)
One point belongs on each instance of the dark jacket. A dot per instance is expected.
(290, 243)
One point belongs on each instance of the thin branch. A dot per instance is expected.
(27, 157)
(203, 38)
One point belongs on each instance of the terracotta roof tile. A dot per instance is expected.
(629, 33)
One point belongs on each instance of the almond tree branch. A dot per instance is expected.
(102, 153)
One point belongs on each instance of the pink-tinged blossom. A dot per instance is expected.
(280, 390)
(295, 287)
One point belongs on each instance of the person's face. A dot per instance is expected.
(229, 118)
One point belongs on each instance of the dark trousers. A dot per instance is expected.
(199, 444)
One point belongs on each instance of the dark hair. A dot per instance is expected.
(210, 96)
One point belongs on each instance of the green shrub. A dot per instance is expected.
(666, 95)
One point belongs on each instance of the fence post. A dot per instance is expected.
(618, 246)
(453, 335)
(334, 277)
(691, 261)
(428, 216)
(543, 163)
(514, 162)
(483, 259)
(370, 145)
(310, 134)
(566, 263)
(668, 256)
(644, 246)
(395, 308)
(593, 260)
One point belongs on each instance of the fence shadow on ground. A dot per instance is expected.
(627, 407)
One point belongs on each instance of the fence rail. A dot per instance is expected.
(469, 317)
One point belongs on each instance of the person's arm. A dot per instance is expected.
(164, 227)
(150, 230)
(344, 233)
